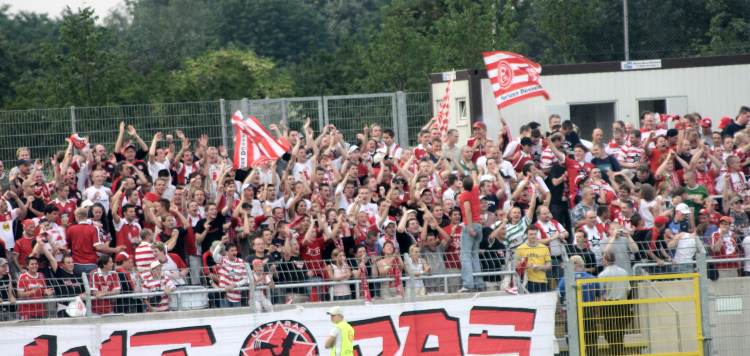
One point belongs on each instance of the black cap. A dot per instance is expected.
(21, 162)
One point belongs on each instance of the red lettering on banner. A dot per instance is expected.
(175, 352)
(195, 336)
(43, 345)
(116, 344)
(77, 351)
(381, 327)
(484, 344)
(425, 323)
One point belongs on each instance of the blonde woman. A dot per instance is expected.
(391, 265)
(339, 270)
(417, 267)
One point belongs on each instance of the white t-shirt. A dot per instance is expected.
(6, 227)
(644, 209)
(685, 250)
(98, 195)
(370, 208)
(155, 166)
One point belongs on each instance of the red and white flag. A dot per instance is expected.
(513, 77)
(253, 144)
(78, 142)
(441, 120)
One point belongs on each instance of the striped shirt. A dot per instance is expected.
(515, 234)
(158, 303)
(144, 255)
(631, 154)
(548, 159)
(232, 274)
(103, 282)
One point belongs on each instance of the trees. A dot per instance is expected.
(228, 74)
(78, 69)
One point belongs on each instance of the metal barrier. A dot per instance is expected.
(640, 316)
(45, 130)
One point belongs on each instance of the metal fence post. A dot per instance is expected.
(73, 119)
(321, 112)
(245, 106)
(702, 265)
(323, 119)
(400, 119)
(571, 309)
(223, 113)
(412, 283)
(87, 289)
(284, 112)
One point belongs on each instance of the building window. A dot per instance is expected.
(652, 105)
(590, 116)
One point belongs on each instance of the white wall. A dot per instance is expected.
(459, 93)
(712, 91)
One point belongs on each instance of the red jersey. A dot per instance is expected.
(473, 198)
(36, 283)
(707, 179)
(312, 254)
(103, 282)
(67, 207)
(453, 250)
(81, 239)
(23, 248)
(728, 249)
(575, 171)
(128, 235)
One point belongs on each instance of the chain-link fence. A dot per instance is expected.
(44, 130)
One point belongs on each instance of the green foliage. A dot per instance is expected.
(231, 74)
(173, 50)
(78, 69)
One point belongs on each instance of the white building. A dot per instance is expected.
(595, 94)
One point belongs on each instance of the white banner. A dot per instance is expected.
(512, 325)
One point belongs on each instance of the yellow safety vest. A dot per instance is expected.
(347, 339)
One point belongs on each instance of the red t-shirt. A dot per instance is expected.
(312, 254)
(473, 198)
(36, 283)
(23, 248)
(103, 283)
(81, 239)
(128, 235)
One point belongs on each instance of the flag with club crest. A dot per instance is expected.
(253, 144)
(514, 78)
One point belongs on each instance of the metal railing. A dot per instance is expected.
(44, 130)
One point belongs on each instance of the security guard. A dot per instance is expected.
(341, 338)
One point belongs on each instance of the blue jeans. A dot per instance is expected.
(79, 268)
(227, 304)
(470, 258)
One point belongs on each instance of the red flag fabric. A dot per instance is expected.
(78, 142)
(441, 120)
(513, 77)
(253, 144)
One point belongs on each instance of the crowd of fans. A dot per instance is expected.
(173, 213)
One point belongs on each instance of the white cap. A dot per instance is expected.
(683, 208)
(353, 148)
(335, 311)
(245, 186)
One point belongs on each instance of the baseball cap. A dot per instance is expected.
(353, 148)
(661, 220)
(28, 222)
(706, 122)
(130, 145)
(245, 186)
(683, 208)
(479, 125)
(121, 257)
(3, 261)
(724, 122)
(21, 162)
(335, 311)
(726, 218)
(388, 222)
